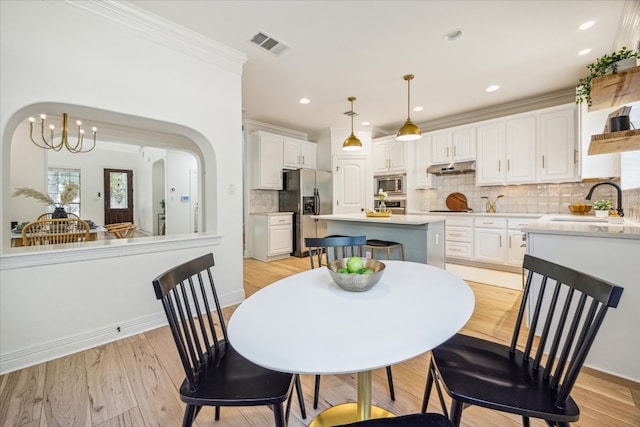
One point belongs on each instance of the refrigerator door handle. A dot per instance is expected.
(317, 202)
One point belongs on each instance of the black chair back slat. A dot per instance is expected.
(334, 248)
(542, 343)
(534, 320)
(189, 326)
(210, 323)
(174, 326)
(567, 343)
(521, 312)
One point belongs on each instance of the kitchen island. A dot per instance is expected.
(421, 235)
(609, 251)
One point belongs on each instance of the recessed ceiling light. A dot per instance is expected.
(365, 123)
(586, 25)
(304, 101)
(492, 88)
(453, 35)
(584, 52)
(418, 108)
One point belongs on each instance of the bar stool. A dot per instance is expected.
(375, 244)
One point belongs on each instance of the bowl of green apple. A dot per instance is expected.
(356, 274)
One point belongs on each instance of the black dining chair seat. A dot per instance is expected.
(411, 420)
(215, 373)
(534, 375)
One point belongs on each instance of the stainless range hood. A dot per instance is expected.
(454, 168)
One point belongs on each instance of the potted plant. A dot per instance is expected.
(67, 196)
(602, 207)
(603, 65)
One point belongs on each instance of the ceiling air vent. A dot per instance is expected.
(269, 44)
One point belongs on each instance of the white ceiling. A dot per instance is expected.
(339, 49)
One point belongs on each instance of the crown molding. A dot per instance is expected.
(161, 31)
(507, 109)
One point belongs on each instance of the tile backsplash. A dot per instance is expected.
(263, 201)
(527, 198)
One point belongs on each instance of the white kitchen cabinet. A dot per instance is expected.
(453, 145)
(422, 161)
(297, 154)
(506, 151)
(520, 149)
(490, 243)
(459, 238)
(388, 155)
(516, 245)
(272, 235)
(265, 156)
(490, 153)
(557, 144)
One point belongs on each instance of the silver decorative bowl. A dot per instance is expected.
(356, 282)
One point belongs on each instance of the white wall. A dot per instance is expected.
(139, 73)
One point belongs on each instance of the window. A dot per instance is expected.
(56, 181)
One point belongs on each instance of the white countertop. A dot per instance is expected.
(271, 213)
(587, 225)
(479, 214)
(393, 219)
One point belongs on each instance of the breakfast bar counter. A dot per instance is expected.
(422, 236)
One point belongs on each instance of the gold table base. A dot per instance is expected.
(345, 413)
(351, 412)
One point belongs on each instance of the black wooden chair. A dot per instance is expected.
(216, 375)
(337, 247)
(411, 420)
(534, 382)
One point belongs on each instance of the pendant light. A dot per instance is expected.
(352, 143)
(409, 131)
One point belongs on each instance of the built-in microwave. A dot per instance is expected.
(391, 184)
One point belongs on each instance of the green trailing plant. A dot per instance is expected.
(602, 205)
(67, 196)
(606, 64)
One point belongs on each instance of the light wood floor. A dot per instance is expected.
(134, 381)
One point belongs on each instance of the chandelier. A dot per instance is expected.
(51, 144)
(409, 131)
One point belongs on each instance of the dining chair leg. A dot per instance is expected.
(456, 412)
(392, 392)
(217, 416)
(427, 389)
(525, 421)
(298, 385)
(189, 416)
(316, 392)
(278, 415)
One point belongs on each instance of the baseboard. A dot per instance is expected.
(487, 276)
(65, 346)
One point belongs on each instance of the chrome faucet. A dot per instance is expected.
(618, 189)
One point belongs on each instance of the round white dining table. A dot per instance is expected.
(307, 324)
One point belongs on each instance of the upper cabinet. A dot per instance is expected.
(527, 148)
(299, 154)
(388, 155)
(266, 161)
(422, 161)
(455, 144)
(557, 144)
(506, 152)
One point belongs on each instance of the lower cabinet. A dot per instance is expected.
(486, 241)
(272, 236)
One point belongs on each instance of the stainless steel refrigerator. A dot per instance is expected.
(306, 192)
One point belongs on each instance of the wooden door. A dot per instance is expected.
(118, 196)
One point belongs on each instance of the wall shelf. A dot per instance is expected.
(615, 89)
(607, 92)
(615, 142)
